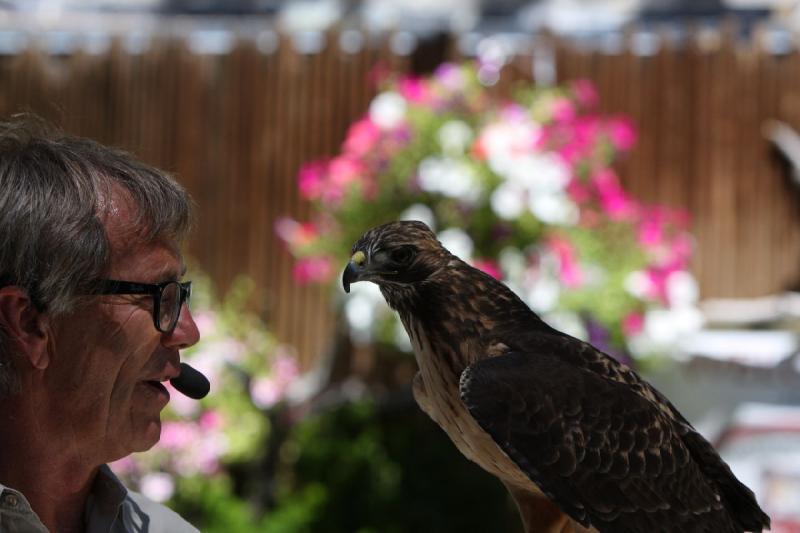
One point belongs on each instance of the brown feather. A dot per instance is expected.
(551, 416)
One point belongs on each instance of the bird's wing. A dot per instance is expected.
(606, 454)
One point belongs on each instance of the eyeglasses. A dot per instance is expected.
(168, 298)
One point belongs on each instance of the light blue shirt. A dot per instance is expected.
(110, 508)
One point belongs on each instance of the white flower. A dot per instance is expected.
(540, 173)
(508, 142)
(682, 290)
(458, 242)
(158, 486)
(420, 212)
(453, 178)
(508, 201)
(512, 263)
(638, 284)
(543, 294)
(387, 110)
(664, 328)
(454, 137)
(554, 209)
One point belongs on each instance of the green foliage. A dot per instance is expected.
(360, 468)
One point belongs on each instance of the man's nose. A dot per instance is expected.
(185, 333)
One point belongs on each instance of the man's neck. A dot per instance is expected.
(47, 470)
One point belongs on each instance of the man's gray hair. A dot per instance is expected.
(54, 189)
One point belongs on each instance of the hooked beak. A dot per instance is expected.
(352, 273)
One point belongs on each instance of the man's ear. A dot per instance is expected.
(25, 325)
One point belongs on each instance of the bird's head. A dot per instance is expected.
(395, 254)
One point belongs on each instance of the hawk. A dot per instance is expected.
(579, 439)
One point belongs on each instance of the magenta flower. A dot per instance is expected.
(414, 89)
(362, 137)
(622, 133)
(569, 270)
(585, 93)
(578, 191)
(343, 172)
(489, 266)
(613, 198)
(313, 269)
(311, 180)
(563, 110)
(632, 324)
(651, 230)
(658, 282)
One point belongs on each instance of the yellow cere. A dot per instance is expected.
(358, 258)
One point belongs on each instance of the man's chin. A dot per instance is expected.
(147, 437)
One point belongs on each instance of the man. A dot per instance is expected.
(92, 319)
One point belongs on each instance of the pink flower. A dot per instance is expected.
(622, 133)
(658, 281)
(489, 266)
(177, 435)
(563, 110)
(573, 141)
(614, 200)
(569, 270)
(206, 321)
(632, 324)
(311, 179)
(450, 76)
(362, 137)
(414, 90)
(313, 269)
(265, 392)
(578, 191)
(651, 230)
(284, 366)
(297, 235)
(585, 93)
(125, 466)
(343, 171)
(208, 452)
(210, 420)
(681, 248)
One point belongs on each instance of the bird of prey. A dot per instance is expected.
(580, 440)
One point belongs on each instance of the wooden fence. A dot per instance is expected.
(235, 127)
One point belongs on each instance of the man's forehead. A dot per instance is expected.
(132, 257)
(153, 262)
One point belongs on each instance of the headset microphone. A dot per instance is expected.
(191, 383)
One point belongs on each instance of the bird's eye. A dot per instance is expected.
(402, 255)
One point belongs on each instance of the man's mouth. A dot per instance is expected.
(158, 386)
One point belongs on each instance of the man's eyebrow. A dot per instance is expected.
(170, 274)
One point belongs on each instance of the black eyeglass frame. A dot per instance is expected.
(114, 286)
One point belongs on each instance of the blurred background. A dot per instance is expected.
(629, 167)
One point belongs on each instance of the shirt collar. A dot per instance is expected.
(107, 495)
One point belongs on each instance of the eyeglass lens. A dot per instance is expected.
(169, 306)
